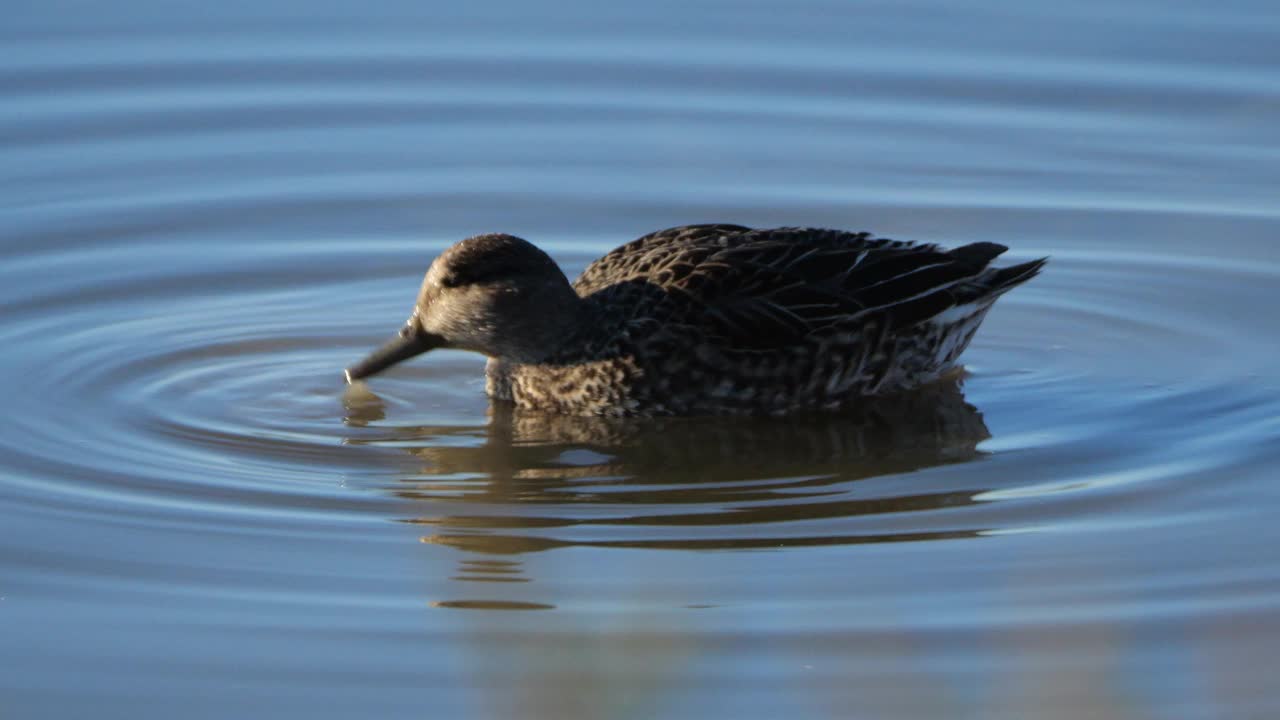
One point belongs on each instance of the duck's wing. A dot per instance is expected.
(760, 289)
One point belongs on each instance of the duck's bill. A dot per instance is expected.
(411, 341)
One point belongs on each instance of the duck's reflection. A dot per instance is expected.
(529, 481)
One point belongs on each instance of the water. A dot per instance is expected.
(209, 211)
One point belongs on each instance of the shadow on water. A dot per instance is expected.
(528, 482)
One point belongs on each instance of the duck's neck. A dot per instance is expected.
(560, 331)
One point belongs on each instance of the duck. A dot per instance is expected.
(711, 319)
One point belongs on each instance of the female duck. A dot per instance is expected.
(706, 319)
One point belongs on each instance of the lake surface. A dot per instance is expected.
(209, 210)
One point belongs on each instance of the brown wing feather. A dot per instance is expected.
(645, 255)
(761, 289)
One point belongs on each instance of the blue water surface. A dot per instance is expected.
(208, 210)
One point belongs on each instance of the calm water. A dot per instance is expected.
(208, 211)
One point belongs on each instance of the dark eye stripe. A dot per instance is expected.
(466, 276)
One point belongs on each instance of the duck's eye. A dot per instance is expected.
(451, 280)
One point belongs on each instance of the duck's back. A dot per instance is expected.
(666, 256)
(724, 318)
(768, 288)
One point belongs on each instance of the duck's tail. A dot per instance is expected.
(994, 281)
(1001, 280)
(987, 283)
(975, 295)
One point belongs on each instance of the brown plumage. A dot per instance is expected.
(707, 319)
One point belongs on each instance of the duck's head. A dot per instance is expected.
(493, 294)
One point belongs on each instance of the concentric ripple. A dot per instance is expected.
(221, 389)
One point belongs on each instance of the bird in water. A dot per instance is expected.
(706, 319)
